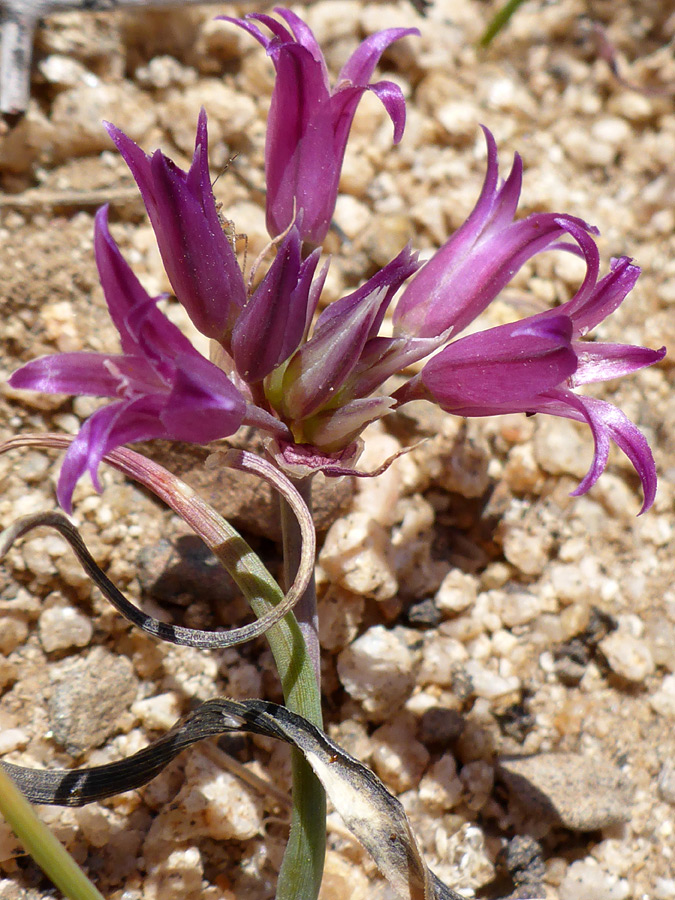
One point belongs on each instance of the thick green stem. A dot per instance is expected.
(302, 866)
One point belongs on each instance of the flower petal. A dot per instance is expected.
(203, 405)
(607, 295)
(107, 428)
(602, 362)
(320, 367)
(71, 373)
(361, 64)
(503, 366)
(273, 322)
(607, 422)
(122, 290)
(483, 255)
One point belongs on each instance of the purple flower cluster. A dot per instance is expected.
(314, 387)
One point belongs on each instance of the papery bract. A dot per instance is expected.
(309, 123)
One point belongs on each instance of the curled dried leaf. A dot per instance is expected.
(222, 539)
(373, 815)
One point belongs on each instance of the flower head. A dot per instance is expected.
(314, 389)
(309, 122)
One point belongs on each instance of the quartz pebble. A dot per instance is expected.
(457, 592)
(628, 656)
(662, 701)
(357, 554)
(212, 803)
(378, 670)
(585, 880)
(398, 757)
(62, 627)
(440, 790)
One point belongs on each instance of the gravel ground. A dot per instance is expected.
(503, 655)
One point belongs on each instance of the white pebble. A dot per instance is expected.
(585, 880)
(357, 555)
(378, 670)
(457, 592)
(61, 627)
(628, 656)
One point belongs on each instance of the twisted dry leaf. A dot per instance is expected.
(221, 538)
(373, 815)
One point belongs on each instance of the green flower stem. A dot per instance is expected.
(498, 21)
(302, 866)
(48, 853)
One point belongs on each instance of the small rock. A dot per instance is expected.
(478, 779)
(560, 448)
(89, 697)
(440, 727)
(522, 859)
(378, 670)
(12, 739)
(424, 614)
(183, 571)
(579, 792)
(212, 803)
(663, 700)
(440, 790)
(158, 713)
(488, 684)
(628, 656)
(340, 614)
(666, 784)
(398, 757)
(457, 592)
(61, 627)
(13, 631)
(585, 880)
(356, 555)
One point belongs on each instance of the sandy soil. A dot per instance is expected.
(488, 615)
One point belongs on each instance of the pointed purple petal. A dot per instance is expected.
(197, 256)
(123, 291)
(602, 362)
(71, 373)
(272, 324)
(502, 366)
(253, 30)
(391, 97)
(607, 422)
(606, 296)
(361, 64)
(203, 405)
(107, 428)
(304, 36)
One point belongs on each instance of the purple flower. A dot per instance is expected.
(484, 254)
(315, 389)
(197, 256)
(165, 388)
(533, 365)
(309, 123)
(277, 317)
